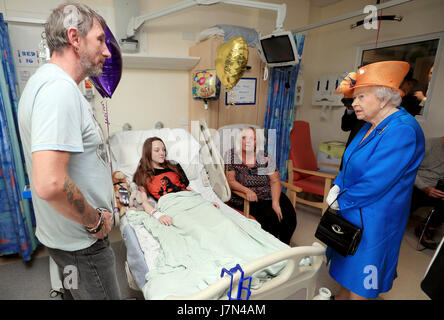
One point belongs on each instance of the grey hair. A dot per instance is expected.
(65, 16)
(388, 94)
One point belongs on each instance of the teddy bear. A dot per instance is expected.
(135, 199)
(121, 191)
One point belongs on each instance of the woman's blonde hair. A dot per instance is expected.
(259, 139)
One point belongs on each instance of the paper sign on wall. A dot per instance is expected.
(243, 93)
(28, 58)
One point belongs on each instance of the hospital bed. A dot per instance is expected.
(303, 263)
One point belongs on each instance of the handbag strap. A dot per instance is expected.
(360, 211)
(362, 222)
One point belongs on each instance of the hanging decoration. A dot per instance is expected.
(231, 61)
(205, 86)
(107, 83)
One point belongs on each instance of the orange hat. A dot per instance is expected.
(346, 84)
(385, 73)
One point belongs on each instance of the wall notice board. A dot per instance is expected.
(243, 93)
(25, 40)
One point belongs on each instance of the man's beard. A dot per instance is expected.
(89, 68)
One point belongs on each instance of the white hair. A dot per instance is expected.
(388, 94)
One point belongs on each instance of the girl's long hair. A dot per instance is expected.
(145, 169)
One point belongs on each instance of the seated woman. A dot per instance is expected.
(196, 237)
(254, 173)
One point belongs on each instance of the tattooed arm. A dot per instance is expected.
(52, 184)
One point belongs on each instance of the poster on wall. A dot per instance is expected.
(25, 41)
(244, 93)
(27, 62)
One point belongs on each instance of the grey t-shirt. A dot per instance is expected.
(431, 168)
(54, 115)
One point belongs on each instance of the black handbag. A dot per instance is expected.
(339, 234)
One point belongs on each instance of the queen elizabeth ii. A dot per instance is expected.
(377, 178)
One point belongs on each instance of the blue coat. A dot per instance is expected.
(378, 177)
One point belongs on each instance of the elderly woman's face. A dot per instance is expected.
(248, 140)
(366, 104)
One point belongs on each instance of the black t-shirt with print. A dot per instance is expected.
(166, 181)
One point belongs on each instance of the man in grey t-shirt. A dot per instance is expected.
(70, 175)
(428, 190)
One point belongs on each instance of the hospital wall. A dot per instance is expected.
(333, 49)
(145, 96)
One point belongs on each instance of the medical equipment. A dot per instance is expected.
(323, 92)
(240, 285)
(142, 247)
(278, 49)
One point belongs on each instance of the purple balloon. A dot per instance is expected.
(112, 68)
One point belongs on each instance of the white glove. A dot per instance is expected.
(331, 197)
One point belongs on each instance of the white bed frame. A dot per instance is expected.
(294, 277)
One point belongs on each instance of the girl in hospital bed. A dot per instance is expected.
(159, 177)
(198, 239)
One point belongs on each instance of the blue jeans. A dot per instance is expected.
(88, 274)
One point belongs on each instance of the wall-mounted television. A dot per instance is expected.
(278, 49)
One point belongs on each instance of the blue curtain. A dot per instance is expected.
(279, 111)
(17, 222)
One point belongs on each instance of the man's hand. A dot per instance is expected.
(419, 95)
(433, 192)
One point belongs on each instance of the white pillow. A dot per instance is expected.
(126, 150)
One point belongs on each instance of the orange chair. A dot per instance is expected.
(303, 168)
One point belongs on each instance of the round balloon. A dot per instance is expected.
(107, 83)
(231, 61)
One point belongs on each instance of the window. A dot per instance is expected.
(420, 52)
